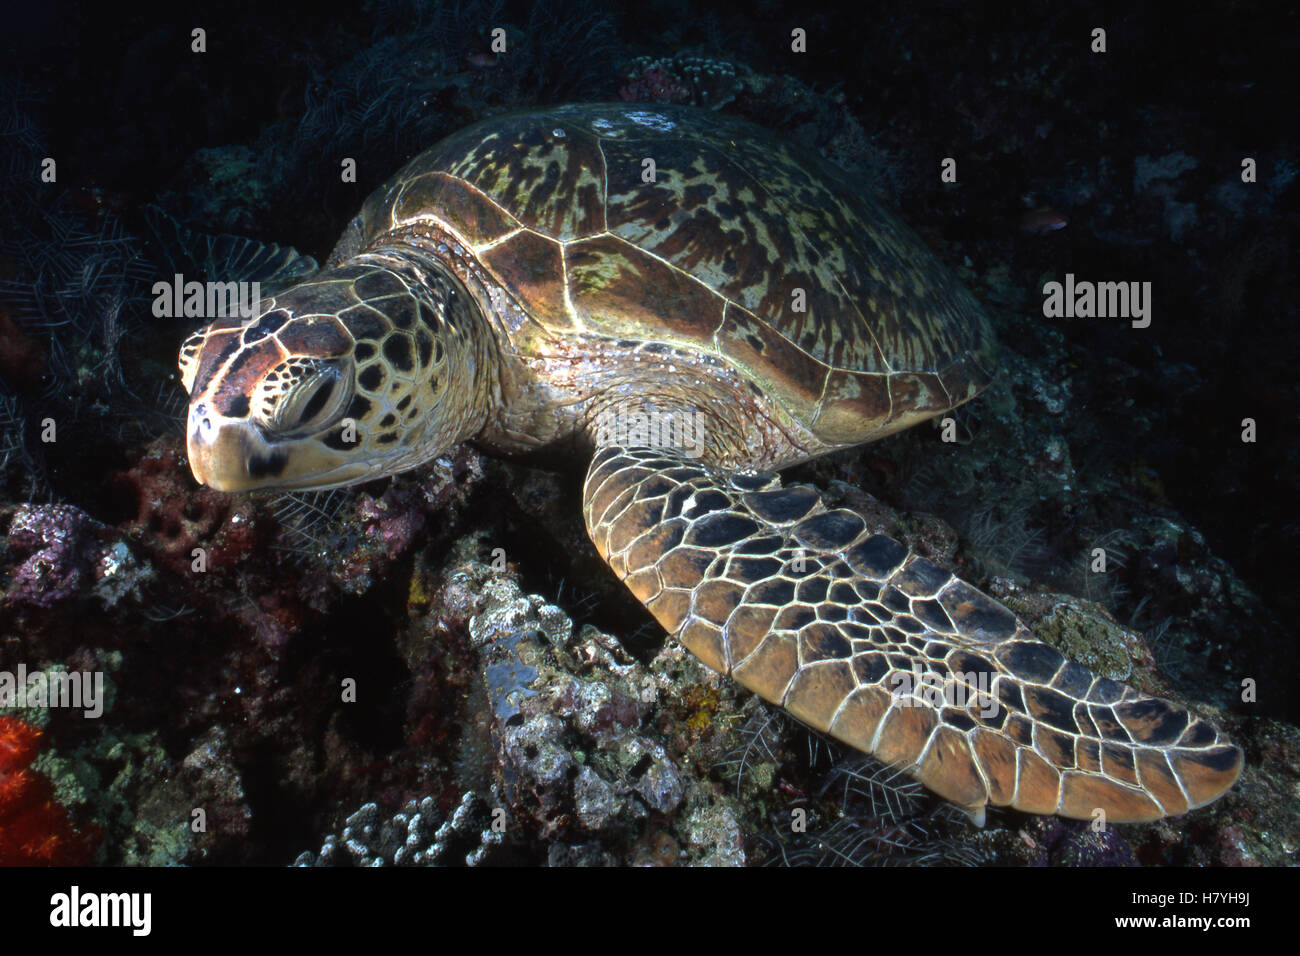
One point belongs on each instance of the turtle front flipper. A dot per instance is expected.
(885, 650)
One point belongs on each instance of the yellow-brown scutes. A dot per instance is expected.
(887, 651)
(466, 211)
(530, 265)
(617, 290)
(656, 222)
(547, 175)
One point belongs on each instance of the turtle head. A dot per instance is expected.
(346, 377)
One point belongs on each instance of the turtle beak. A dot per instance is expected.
(231, 454)
(228, 454)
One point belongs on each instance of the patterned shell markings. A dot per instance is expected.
(709, 255)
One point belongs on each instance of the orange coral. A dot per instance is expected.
(34, 828)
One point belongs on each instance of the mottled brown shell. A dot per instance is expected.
(735, 231)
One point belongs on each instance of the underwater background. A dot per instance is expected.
(222, 688)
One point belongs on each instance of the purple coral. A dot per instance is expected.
(53, 541)
(654, 85)
(396, 517)
(1075, 843)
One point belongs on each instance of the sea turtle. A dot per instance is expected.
(694, 304)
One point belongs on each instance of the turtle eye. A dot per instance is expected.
(188, 360)
(301, 396)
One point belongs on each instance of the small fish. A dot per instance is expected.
(1041, 221)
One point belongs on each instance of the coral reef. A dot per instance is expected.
(51, 541)
(417, 835)
(1073, 843)
(582, 763)
(683, 78)
(55, 553)
(172, 518)
(34, 829)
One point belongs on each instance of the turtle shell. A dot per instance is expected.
(704, 232)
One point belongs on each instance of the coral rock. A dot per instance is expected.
(54, 541)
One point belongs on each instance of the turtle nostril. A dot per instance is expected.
(206, 424)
